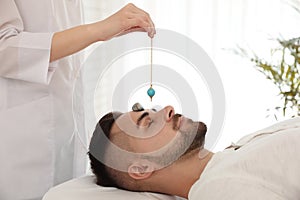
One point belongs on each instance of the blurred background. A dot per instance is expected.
(231, 32)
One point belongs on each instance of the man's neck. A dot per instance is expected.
(179, 178)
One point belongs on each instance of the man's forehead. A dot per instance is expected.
(130, 116)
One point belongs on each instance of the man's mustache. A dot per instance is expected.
(176, 117)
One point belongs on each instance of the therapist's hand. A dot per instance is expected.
(130, 18)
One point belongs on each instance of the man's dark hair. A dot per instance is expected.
(102, 172)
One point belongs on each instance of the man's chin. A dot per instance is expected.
(199, 138)
(202, 128)
(188, 126)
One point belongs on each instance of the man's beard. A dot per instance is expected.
(197, 139)
(186, 141)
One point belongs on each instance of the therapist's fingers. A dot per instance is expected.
(128, 19)
(132, 29)
(134, 17)
(143, 21)
(148, 17)
(139, 13)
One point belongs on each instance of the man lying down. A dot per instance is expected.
(160, 151)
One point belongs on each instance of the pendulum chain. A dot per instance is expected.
(151, 91)
(151, 61)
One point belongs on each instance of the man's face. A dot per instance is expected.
(161, 131)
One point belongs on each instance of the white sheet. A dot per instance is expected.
(85, 189)
(263, 165)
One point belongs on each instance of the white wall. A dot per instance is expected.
(218, 25)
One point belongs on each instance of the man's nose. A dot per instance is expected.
(169, 113)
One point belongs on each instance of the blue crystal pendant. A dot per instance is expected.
(151, 92)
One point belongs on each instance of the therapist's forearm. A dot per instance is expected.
(72, 40)
(129, 18)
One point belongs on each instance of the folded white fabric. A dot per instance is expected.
(263, 165)
(289, 124)
(85, 188)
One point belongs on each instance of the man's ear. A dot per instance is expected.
(140, 170)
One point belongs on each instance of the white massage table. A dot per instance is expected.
(85, 188)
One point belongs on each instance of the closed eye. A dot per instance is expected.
(146, 122)
(149, 124)
(145, 114)
(144, 119)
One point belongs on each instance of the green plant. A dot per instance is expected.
(284, 73)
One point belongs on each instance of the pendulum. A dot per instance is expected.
(151, 91)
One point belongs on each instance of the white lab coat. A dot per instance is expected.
(36, 120)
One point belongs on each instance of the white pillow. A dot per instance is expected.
(85, 188)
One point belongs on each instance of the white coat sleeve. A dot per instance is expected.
(23, 55)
